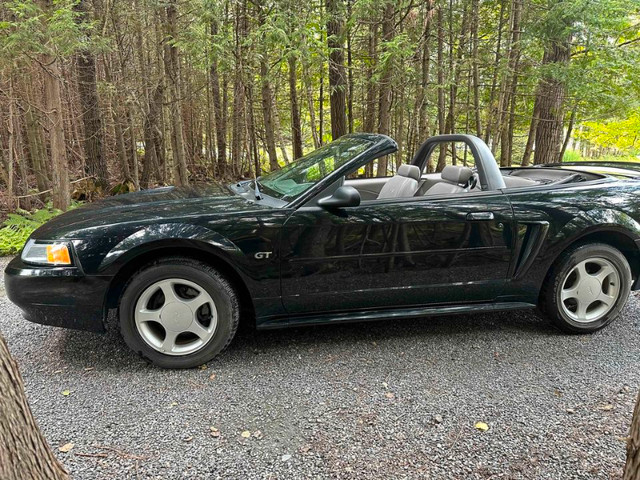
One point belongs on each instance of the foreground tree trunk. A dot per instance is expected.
(632, 468)
(24, 452)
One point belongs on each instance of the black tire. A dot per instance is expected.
(550, 299)
(205, 276)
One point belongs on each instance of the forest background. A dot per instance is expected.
(101, 97)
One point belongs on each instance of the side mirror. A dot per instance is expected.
(343, 197)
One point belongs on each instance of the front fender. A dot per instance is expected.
(162, 235)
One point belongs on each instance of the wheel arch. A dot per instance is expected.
(198, 250)
(613, 235)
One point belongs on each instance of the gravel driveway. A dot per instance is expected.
(395, 399)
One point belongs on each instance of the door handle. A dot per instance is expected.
(480, 216)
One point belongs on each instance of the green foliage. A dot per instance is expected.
(18, 226)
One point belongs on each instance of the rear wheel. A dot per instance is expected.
(178, 313)
(588, 287)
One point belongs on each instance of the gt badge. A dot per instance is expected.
(262, 255)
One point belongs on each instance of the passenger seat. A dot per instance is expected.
(403, 184)
(453, 180)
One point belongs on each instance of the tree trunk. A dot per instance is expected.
(296, 129)
(369, 120)
(267, 114)
(475, 7)
(496, 70)
(442, 157)
(24, 452)
(550, 98)
(632, 467)
(220, 115)
(337, 74)
(567, 137)
(511, 86)
(91, 117)
(528, 149)
(172, 70)
(54, 123)
(384, 101)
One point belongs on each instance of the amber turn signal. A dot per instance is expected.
(58, 255)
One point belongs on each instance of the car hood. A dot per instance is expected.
(148, 206)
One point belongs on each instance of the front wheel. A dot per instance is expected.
(178, 313)
(587, 289)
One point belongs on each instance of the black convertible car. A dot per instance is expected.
(315, 243)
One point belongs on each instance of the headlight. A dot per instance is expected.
(46, 253)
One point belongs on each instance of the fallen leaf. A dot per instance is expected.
(173, 404)
(286, 458)
(203, 367)
(571, 410)
(66, 447)
(88, 369)
(66, 393)
(187, 439)
(258, 434)
(214, 432)
(606, 407)
(212, 376)
(483, 427)
(245, 434)
(389, 395)
(385, 384)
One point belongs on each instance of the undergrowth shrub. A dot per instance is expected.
(17, 227)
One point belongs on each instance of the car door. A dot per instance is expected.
(395, 253)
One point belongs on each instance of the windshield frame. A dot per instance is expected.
(295, 178)
(380, 145)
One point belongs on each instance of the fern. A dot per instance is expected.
(15, 230)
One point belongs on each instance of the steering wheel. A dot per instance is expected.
(472, 182)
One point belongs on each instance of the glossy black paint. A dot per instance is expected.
(405, 257)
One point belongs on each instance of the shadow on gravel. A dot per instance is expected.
(108, 351)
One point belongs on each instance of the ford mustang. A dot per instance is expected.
(323, 240)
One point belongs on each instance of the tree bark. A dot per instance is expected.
(567, 137)
(632, 467)
(91, 117)
(511, 86)
(220, 115)
(267, 114)
(442, 156)
(296, 128)
(337, 74)
(550, 98)
(384, 101)
(54, 123)
(172, 71)
(24, 452)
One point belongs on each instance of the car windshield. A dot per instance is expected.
(294, 179)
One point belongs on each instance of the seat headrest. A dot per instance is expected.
(456, 174)
(409, 171)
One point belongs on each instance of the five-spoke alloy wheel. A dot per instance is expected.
(178, 313)
(587, 288)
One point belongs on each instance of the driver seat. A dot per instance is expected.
(455, 179)
(402, 184)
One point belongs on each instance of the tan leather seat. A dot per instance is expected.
(453, 180)
(403, 184)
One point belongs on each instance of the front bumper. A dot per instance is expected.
(58, 296)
